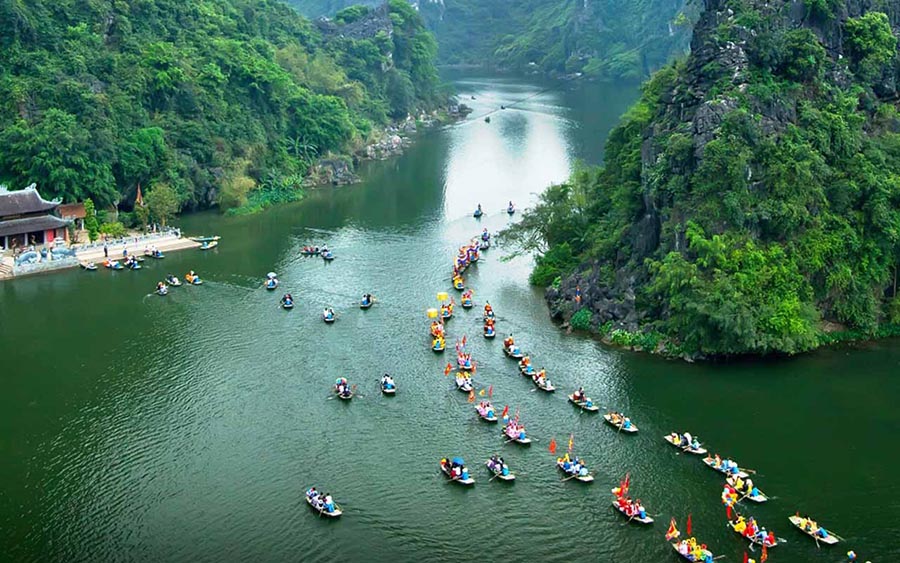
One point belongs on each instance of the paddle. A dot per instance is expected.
(569, 477)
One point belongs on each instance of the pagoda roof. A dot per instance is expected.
(23, 202)
(30, 225)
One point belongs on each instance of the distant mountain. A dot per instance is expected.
(599, 38)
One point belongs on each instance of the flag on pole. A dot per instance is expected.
(728, 511)
(673, 531)
(464, 340)
(505, 411)
(490, 391)
(765, 555)
(688, 528)
(448, 369)
(481, 393)
(571, 441)
(472, 396)
(553, 445)
(746, 558)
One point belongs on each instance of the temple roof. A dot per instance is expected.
(22, 202)
(30, 225)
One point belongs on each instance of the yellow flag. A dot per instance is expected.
(481, 393)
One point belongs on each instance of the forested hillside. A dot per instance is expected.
(215, 98)
(750, 201)
(599, 38)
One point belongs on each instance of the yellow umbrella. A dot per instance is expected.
(442, 296)
(432, 313)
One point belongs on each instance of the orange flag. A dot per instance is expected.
(571, 441)
(505, 411)
(673, 531)
(448, 369)
(490, 391)
(764, 556)
(472, 396)
(552, 445)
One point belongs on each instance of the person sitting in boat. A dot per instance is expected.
(329, 503)
(510, 208)
(488, 310)
(287, 299)
(487, 409)
(328, 314)
(312, 493)
(508, 342)
(387, 382)
(485, 235)
(478, 211)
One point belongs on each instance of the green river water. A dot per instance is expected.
(186, 428)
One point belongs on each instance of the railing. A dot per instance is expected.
(44, 266)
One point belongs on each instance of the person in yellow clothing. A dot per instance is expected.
(740, 525)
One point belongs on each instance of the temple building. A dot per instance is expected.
(26, 218)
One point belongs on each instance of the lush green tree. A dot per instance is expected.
(142, 216)
(163, 203)
(871, 43)
(91, 224)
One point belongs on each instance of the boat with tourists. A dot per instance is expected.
(328, 315)
(812, 529)
(342, 389)
(455, 469)
(485, 411)
(464, 381)
(746, 488)
(271, 281)
(725, 466)
(514, 431)
(209, 245)
(511, 349)
(686, 443)
(388, 387)
(322, 503)
(173, 280)
(582, 401)
(620, 421)
(366, 301)
(287, 301)
(542, 382)
(574, 468)
(691, 550)
(497, 466)
(192, 278)
(750, 530)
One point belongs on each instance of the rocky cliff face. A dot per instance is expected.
(768, 85)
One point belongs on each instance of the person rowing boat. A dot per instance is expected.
(328, 315)
(510, 209)
(388, 387)
(287, 301)
(514, 431)
(162, 289)
(464, 381)
(634, 509)
(525, 366)
(342, 389)
(323, 503)
(437, 329)
(582, 401)
(447, 310)
(438, 344)
(455, 468)
(511, 349)
(467, 302)
(540, 379)
(489, 329)
(726, 466)
(485, 410)
(488, 311)
(575, 468)
(498, 467)
(173, 280)
(686, 443)
(193, 278)
(366, 301)
(464, 361)
(750, 530)
(809, 527)
(485, 235)
(459, 283)
(620, 421)
(478, 212)
(691, 550)
(746, 488)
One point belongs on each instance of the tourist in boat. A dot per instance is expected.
(367, 299)
(485, 235)
(478, 211)
(510, 208)
(328, 314)
(488, 310)
(287, 300)
(387, 382)
(541, 378)
(525, 364)
(508, 342)
(579, 395)
(497, 465)
(486, 409)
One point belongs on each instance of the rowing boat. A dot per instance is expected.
(209, 245)
(388, 390)
(322, 512)
(518, 438)
(345, 397)
(467, 304)
(758, 498)
(711, 463)
(328, 256)
(698, 451)
(468, 481)
(619, 424)
(205, 239)
(798, 522)
(438, 346)
(464, 384)
(363, 305)
(588, 405)
(635, 518)
(547, 386)
(328, 319)
(583, 478)
(514, 352)
(498, 472)
(487, 416)
(688, 557)
(754, 539)
(489, 332)
(287, 304)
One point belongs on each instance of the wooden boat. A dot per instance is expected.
(328, 319)
(609, 419)
(753, 539)
(271, 284)
(498, 473)
(467, 304)
(711, 463)
(464, 384)
(490, 334)
(466, 482)
(514, 352)
(322, 512)
(287, 305)
(162, 292)
(671, 440)
(209, 245)
(547, 386)
(675, 547)
(583, 404)
(524, 441)
(459, 286)
(90, 267)
(364, 305)
(638, 519)
(484, 415)
(309, 252)
(798, 522)
(173, 281)
(758, 498)
(346, 397)
(328, 256)
(583, 478)
(205, 239)
(388, 390)
(438, 346)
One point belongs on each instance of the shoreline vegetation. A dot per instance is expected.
(228, 103)
(748, 203)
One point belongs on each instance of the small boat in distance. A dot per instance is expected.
(209, 245)
(206, 239)
(322, 503)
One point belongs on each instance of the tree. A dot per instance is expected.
(870, 43)
(142, 214)
(163, 203)
(90, 220)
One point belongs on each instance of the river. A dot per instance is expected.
(185, 428)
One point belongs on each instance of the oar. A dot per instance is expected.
(717, 557)
(569, 477)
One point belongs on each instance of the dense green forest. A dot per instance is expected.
(599, 38)
(750, 201)
(224, 101)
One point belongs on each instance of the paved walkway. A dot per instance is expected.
(164, 244)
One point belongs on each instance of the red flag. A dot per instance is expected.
(552, 445)
(689, 525)
(673, 531)
(448, 369)
(571, 441)
(505, 411)
(472, 396)
(728, 512)
(746, 558)
(490, 391)
(464, 340)
(764, 556)
(474, 366)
